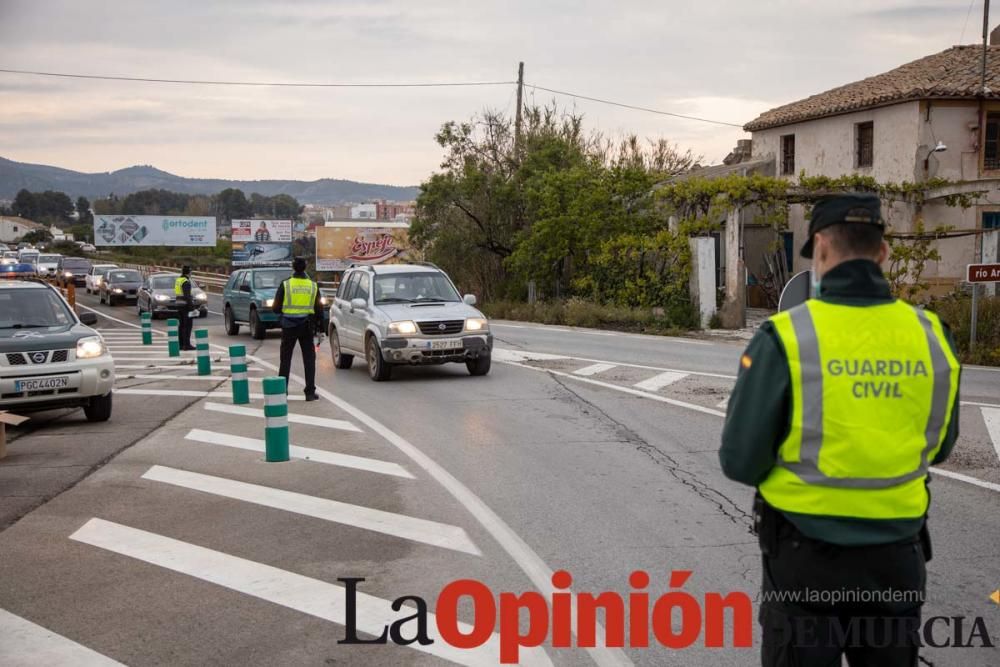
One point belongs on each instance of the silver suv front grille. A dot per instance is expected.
(441, 328)
(40, 357)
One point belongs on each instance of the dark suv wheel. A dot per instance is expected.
(257, 330)
(99, 409)
(232, 328)
(378, 369)
(340, 360)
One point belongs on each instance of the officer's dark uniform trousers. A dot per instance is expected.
(298, 330)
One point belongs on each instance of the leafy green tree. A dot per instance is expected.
(25, 204)
(232, 204)
(83, 211)
(36, 236)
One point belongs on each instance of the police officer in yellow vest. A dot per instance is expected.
(297, 300)
(840, 407)
(185, 306)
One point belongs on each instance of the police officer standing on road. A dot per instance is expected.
(185, 306)
(298, 302)
(841, 405)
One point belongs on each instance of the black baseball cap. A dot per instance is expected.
(853, 207)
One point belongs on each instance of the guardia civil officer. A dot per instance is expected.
(840, 406)
(185, 305)
(298, 302)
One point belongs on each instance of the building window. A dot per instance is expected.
(991, 219)
(788, 154)
(991, 142)
(865, 147)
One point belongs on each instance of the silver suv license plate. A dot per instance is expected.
(41, 384)
(452, 344)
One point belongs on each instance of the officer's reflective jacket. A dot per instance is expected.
(841, 406)
(179, 285)
(299, 297)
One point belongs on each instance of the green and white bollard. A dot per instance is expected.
(147, 329)
(173, 342)
(204, 361)
(276, 416)
(238, 368)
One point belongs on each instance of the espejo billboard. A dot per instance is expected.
(154, 230)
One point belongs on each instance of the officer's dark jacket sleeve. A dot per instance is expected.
(318, 306)
(279, 298)
(952, 433)
(186, 291)
(757, 419)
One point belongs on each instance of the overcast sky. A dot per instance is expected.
(723, 59)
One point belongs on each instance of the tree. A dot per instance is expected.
(54, 207)
(25, 205)
(232, 204)
(36, 236)
(83, 211)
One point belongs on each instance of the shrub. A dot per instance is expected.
(956, 311)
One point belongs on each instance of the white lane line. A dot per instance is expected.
(981, 405)
(24, 644)
(129, 391)
(518, 355)
(660, 381)
(215, 313)
(593, 369)
(178, 367)
(520, 552)
(338, 424)
(966, 478)
(723, 404)
(992, 418)
(294, 591)
(304, 453)
(548, 328)
(158, 376)
(405, 527)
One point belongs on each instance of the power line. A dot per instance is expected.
(961, 40)
(636, 108)
(280, 84)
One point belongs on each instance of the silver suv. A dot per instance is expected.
(406, 314)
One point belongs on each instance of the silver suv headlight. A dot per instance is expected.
(90, 347)
(404, 328)
(477, 324)
(201, 296)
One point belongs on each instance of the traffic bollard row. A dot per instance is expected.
(147, 329)
(173, 341)
(204, 361)
(238, 369)
(276, 416)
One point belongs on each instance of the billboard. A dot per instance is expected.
(154, 230)
(262, 231)
(340, 244)
(261, 254)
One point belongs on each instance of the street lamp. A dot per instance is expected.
(940, 148)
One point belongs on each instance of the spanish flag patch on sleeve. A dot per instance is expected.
(746, 361)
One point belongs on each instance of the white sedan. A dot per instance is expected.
(96, 275)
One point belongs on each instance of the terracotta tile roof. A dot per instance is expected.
(953, 73)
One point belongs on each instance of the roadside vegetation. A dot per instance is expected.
(956, 311)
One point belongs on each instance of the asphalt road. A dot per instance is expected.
(591, 452)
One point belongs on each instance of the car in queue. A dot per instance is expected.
(156, 296)
(9, 256)
(28, 255)
(74, 269)
(120, 286)
(406, 314)
(47, 264)
(50, 357)
(94, 277)
(248, 297)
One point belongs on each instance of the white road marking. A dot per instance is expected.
(324, 422)
(660, 381)
(982, 405)
(503, 354)
(129, 391)
(580, 330)
(530, 562)
(723, 404)
(215, 313)
(310, 596)
(405, 527)
(177, 367)
(593, 369)
(992, 418)
(296, 452)
(966, 478)
(159, 376)
(24, 644)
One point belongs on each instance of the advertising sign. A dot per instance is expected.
(154, 230)
(344, 243)
(261, 254)
(262, 231)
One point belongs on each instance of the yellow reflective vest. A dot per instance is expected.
(299, 297)
(873, 390)
(179, 285)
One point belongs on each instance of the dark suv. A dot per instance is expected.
(74, 268)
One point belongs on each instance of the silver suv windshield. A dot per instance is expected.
(32, 309)
(414, 287)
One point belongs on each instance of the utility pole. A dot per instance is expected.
(517, 115)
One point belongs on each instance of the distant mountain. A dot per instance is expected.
(38, 177)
